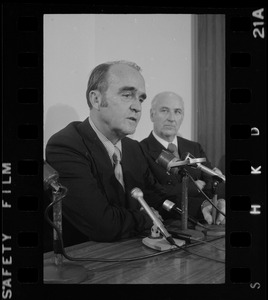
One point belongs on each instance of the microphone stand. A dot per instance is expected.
(169, 161)
(214, 229)
(214, 199)
(59, 271)
(184, 200)
(184, 207)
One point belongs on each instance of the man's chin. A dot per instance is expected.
(128, 131)
(131, 131)
(169, 133)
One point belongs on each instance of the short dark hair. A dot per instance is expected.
(98, 77)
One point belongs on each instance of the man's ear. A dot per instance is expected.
(95, 98)
(182, 116)
(151, 114)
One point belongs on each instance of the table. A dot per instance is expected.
(167, 268)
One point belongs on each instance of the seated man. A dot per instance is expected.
(100, 166)
(167, 112)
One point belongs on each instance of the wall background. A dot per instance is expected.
(161, 44)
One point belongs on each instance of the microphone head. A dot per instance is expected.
(50, 175)
(136, 193)
(167, 205)
(219, 178)
(165, 159)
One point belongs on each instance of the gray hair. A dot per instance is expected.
(161, 95)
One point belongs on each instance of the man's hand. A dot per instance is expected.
(207, 212)
(200, 183)
(155, 212)
(218, 171)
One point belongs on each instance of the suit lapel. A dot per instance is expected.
(99, 154)
(94, 146)
(181, 147)
(184, 147)
(154, 147)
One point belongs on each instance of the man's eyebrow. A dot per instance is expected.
(131, 89)
(127, 88)
(166, 107)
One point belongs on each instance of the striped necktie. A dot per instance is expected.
(117, 166)
(173, 149)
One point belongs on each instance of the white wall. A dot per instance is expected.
(74, 44)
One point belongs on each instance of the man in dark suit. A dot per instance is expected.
(100, 166)
(167, 112)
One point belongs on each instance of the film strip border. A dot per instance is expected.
(245, 143)
(22, 160)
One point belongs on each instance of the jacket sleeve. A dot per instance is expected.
(86, 205)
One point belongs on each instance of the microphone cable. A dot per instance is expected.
(204, 242)
(190, 238)
(200, 190)
(199, 255)
(63, 252)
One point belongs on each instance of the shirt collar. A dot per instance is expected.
(164, 142)
(109, 146)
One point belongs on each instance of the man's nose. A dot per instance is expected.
(136, 105)
(171, 116)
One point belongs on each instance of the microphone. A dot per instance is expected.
(205, 169)
(172, 164)
(59, 271)
(171, 206)
(137, 194)
(210, 172)
(50, 177)
(166, 159)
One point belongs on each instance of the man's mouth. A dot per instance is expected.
(169, 126)
(132, 119)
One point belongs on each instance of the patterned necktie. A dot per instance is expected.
(173, 149)
(117, 167)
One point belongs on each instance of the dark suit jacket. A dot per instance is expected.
(153, 148)
(96, 206)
